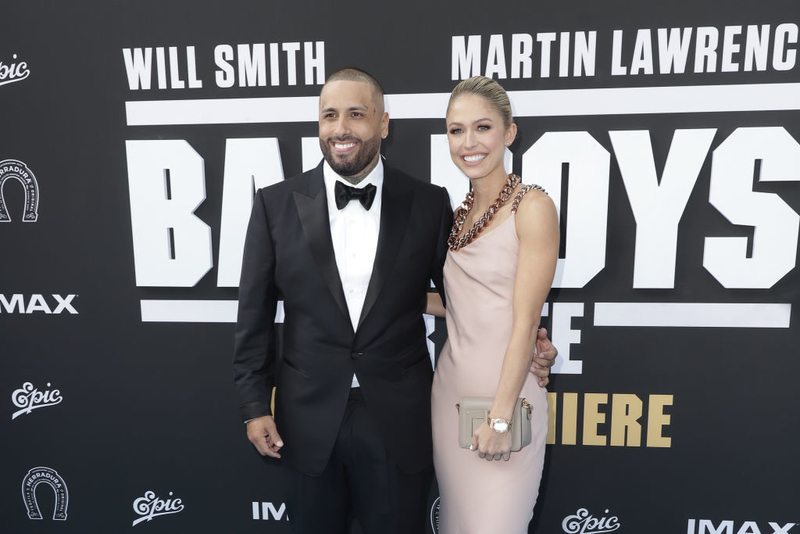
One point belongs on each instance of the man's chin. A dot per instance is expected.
(345, 168)
(347, 173)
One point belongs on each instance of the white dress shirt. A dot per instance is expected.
(354, 232)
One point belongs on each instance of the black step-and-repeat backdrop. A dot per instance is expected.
(134, 134)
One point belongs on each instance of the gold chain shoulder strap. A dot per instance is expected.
(521, 193)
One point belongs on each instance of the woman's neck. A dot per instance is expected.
(487, 189)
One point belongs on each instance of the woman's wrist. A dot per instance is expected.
(497, 411)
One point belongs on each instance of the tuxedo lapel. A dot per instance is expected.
(312, 207)
(395, 211)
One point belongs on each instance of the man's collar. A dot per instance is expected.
(375, 176)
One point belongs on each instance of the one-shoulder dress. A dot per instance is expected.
(478, 496)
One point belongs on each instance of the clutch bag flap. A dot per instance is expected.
(473, 411)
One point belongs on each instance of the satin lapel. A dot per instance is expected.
(395, 211)
(312, 207)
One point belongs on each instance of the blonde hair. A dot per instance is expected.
(489, 89)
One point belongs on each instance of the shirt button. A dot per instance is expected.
(351, 291)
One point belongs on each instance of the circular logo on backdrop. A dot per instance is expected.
(435, 516)
(12, 168)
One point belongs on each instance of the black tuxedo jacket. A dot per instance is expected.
(289, 255)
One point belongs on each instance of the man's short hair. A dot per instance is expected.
(352, 74)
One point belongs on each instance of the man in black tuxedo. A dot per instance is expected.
(350, 247)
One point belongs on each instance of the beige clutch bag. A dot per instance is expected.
(473, 411)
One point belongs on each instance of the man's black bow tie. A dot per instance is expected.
(344, 194)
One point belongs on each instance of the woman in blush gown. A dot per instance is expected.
(499, 269)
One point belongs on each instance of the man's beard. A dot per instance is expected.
(354, 164)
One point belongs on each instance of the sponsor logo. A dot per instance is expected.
(151, 506)
(582, 522)
(267, 510)
(435, 515)
(707, 526)
(17, 170)
(29, 398)
(18, 303)
(16, 71)
(45, 475)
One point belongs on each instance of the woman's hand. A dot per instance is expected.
(490, 445)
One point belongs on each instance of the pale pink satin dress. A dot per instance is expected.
(480, 497)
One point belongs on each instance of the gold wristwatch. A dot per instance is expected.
(501, 426)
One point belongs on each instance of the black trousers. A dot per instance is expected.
(358, 482)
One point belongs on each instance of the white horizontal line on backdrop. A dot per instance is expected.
(648, 314)
(543, 103)
(693, 314)
(195, 311)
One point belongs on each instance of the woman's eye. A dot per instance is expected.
(455, 130)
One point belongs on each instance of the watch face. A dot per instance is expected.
(500, 426)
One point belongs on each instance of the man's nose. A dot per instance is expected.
(342, 127)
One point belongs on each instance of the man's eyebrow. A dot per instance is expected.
(351, 108)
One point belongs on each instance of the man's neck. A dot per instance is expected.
(359, 177)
